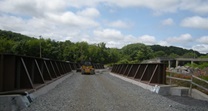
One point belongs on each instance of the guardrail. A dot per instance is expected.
(20, 73)
(150, 73)
(98, 66)
(191, 81)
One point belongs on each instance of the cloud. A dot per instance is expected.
(184, 38)
(79, 20)
(147, 39)
(195, 22)
(164, 6)
(119, 24)
(168, 21)
(109, 34)
(203, 39)
(89, 12)
(202, 48)
(39, 7)
(35, 8)
(71, 19)
(113, 38)
(59, 27)
(163, 43)
(196, 6)
(157, 6)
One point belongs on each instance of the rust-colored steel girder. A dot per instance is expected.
(151, 73)
(98, 66)
(27, 73)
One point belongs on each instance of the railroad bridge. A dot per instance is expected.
(29, 83)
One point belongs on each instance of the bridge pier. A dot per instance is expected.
(176, 63)
(169, 64)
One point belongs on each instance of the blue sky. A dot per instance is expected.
(181, 23)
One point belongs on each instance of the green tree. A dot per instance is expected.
(20, 48)
(6, 46)
(173, 55)
(113, 55)
(204, 56)
(190, 55)
(137, 52)
(160, 54)
(33, 48)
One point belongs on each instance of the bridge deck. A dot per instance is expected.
(103, 92)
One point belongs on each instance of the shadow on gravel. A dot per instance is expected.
(188, 101)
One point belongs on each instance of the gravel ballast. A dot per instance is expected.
(103, 92)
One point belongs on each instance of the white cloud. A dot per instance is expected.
(35, 8)
(157, 6)
(60, 20)
(147, 39)
(168, 21)
(114, 44)
(119, 40)
(195, 22)
(119, 24)
(184, 38)
(203, 40)
(57, 28)
(12, 23)
(89, 12)
(71, 19)
(163, 43)
(196, 6)
(109, 34)
(202, 48)
(39, 7)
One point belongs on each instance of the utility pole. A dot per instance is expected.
(40, 46)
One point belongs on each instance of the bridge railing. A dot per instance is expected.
(150, 73)
(191, 80)
(98, 66)
(19, 73)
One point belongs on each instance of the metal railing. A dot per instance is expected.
(98, 66)
(190, 81)
(21, 73)
(150, 73)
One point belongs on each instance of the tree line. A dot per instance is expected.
(15, 43)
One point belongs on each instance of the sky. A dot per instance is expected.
(180, 23)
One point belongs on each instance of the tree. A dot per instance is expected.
(20, 48)
(15, 43)
(6, 46)
(204, 56)
(138, 52)
(160, 54)
(189, 55)
(173, 55)
(33, 48)
(114, 55)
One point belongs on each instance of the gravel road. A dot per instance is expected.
(103, 92)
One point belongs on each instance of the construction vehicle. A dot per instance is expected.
(87, 68)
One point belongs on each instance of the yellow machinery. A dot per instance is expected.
(87, 68)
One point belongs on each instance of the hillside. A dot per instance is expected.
(16, 43)
(174, 50)
(13, 36)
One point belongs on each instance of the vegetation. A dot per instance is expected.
(176, 51)
(15, 43)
